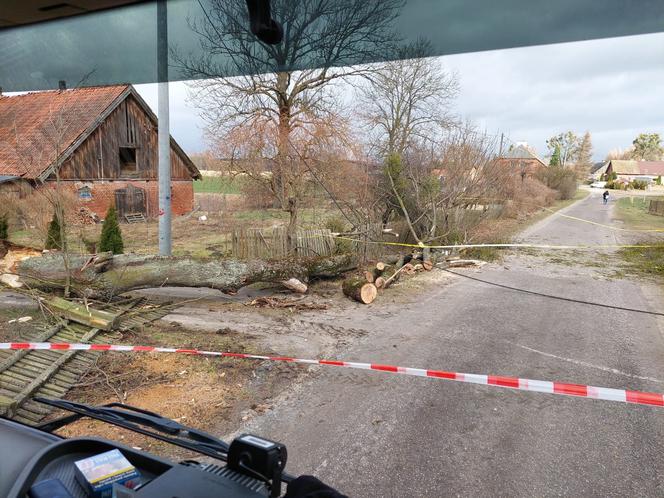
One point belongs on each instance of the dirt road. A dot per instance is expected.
(373, 434)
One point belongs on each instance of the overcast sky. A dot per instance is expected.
(613, 88)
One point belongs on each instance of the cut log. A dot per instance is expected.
(380, 266)
(369, 276)
(379, 283)
(408, 269)
(427, 265)
(126, 272)
(418, 267)
(359, 289)
(295, 285)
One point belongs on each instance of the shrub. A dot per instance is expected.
(658, 180)
(111, 236)
(611, 177)
(4, 227)
(54, 235)
(257, 195)
(561, 179)
(638, 184)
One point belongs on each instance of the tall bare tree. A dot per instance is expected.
(564, 147)
(584, 156)
(277, 92)
(407, 100)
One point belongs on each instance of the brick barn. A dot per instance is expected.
(102, 144)
(521, 160)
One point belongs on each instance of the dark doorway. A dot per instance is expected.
(128, 166)
(130, 200)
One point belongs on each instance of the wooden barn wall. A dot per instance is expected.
(98, 157)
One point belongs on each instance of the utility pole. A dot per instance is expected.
(164, 168)
(502, 139)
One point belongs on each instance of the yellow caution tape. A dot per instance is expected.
(505, 246)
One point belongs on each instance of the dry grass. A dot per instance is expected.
(206, 393)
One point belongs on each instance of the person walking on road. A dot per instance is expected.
(605, 196)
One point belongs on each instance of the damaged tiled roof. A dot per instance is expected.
(521, 151)
(36, 127)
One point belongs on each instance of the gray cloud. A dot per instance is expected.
(611, 88)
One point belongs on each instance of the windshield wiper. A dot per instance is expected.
(141, 421)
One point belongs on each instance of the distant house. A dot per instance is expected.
(635, 170)
(101, 142)
(521, 160)
(598, 170)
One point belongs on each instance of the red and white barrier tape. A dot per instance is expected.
(542, 386)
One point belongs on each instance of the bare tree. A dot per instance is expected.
(564, 147)
(407, 101)
(320, 147)
(276, 93)
(433, 192)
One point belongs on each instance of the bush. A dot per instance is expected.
(615, 185)
(111, 236)
(257, 195)
(611, 177)
(561, 179)
(638, 184)
(658, 180)
(4, 227)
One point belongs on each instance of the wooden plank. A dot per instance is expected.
(17, 355)
(7, 404)
(79, 313)
(40, 380)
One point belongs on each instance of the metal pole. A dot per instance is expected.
(164, 170)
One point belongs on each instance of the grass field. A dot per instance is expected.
(218, 185)
(633, 212)
(190, 236)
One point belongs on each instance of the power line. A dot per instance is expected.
(551, 296)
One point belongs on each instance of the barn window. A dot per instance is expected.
(85, 193)
(128, 161)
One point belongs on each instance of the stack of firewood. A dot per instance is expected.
(364, 288)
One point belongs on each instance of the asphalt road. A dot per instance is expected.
(375, 434)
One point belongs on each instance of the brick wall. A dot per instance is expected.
(102, 195)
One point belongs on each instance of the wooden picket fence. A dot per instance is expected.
(656, 207)
(272, 243)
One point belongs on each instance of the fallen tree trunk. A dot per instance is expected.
(359, 289)
(106, 276)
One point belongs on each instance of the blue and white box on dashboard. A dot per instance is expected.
(98, 473)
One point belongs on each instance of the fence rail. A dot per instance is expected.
(272, 243)
(656, 207)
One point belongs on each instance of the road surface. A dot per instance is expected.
(372, 434)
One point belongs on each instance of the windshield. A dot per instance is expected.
(324, 225)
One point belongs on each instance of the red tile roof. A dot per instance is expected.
(37, 126)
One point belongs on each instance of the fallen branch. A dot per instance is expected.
(297, 304)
